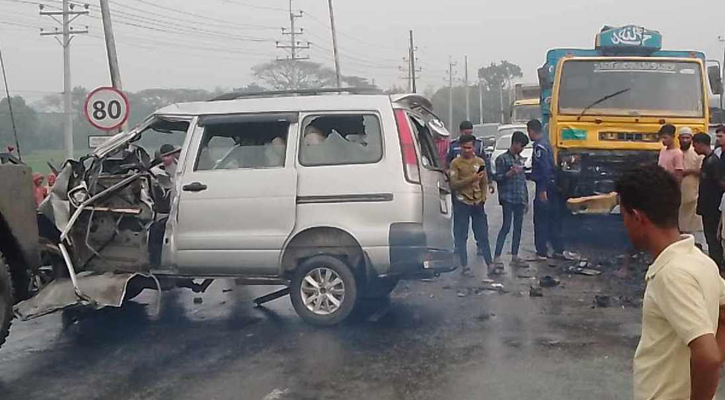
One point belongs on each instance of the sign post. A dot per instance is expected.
(106, 108)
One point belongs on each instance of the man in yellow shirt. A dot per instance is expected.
(683, 334)
(469, 182)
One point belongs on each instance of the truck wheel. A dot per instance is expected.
(323, 290)
(6, 300)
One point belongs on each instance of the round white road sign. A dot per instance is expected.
(106, 108)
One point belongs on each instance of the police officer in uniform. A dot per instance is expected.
(547, 203)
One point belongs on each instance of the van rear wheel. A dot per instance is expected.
(6, 300)
(323, 290)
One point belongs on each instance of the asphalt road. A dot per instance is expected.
(449, 338)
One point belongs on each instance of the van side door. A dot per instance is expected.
(237, 199)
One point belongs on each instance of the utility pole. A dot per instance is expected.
(294, 47)
(465, 83)
(451, 64)
(10, 107)
(67, 33)
(338, 77)
(500, 96)
(411, 57)
(722, 96)
(113, 67)
(480, 100)
(408, 76)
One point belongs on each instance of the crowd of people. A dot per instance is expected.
(40, 188)
(700, 171)
(472, 180)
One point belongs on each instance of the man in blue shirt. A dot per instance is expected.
(513, 197)
(547, 203)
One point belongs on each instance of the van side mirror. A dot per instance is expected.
(713, 74)
(544, 80)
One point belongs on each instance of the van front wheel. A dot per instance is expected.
(323, 290)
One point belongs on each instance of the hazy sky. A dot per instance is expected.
(213, 43)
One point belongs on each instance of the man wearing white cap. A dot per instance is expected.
(689, 221)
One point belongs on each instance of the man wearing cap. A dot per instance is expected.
(689, 221)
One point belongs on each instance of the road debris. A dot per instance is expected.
(548, 281)
(603, 301)
(536, 291)
(526, 273)
(198, 300)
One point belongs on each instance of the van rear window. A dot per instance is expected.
(341, 139)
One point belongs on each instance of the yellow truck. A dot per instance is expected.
(602, 107)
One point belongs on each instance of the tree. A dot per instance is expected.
(497, 78)
(499, 75)
(281, 74)
(26, 122)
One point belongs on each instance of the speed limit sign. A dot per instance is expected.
(106, 108)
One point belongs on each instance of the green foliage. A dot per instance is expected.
(280, 74)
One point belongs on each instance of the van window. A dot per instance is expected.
(243, 145)
(341, 139)
(428, 153)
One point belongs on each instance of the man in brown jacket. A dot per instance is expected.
(469, 182)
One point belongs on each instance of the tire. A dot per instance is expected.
(6, 300)
(316, 305)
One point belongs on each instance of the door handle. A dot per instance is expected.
(194, 187)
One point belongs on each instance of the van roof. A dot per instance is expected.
(326, 102)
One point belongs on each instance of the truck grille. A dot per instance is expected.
(646, 137)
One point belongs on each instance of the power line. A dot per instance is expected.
(229, 23)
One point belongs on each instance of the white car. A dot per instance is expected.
(503, 144)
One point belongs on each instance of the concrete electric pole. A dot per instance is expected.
(451, 64)
(465, 83)
(68, 15)
(411, 57)
(338, 76)
(113, 67)
(480, 100)
(294, 47)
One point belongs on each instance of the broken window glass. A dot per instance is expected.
(341, 139)
(243, 145)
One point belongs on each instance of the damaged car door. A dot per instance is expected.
(237, 196)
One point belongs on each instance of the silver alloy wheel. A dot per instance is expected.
(322, 291)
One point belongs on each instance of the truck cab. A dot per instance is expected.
(602, 107)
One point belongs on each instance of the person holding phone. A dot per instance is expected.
(513, 197)
(469, 181)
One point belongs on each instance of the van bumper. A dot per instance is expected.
(410, 256)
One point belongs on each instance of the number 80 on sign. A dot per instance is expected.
(106, 108)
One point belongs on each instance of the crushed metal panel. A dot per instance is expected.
(105, 290)
(106, 240)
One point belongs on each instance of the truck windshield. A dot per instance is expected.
(526, 113)
(658, 88)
